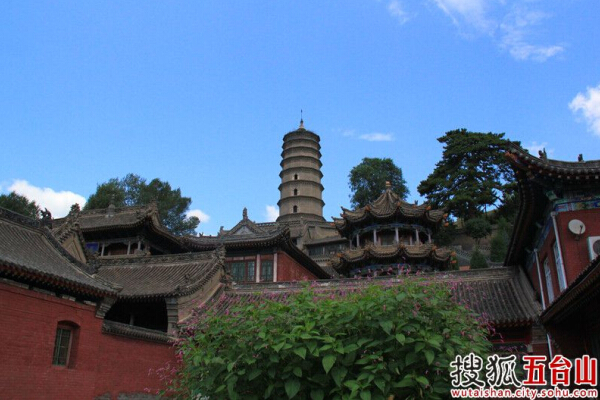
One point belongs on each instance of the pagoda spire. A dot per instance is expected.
(301, 121)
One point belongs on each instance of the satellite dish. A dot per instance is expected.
(576, 227)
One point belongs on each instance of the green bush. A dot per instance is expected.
(478, 259)
(367, 343)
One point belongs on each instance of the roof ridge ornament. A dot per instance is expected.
(301, 121)
(245, 214)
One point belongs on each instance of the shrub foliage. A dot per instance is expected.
(367, 343)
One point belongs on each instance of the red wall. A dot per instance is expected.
(290, 270)
(575, 252)
(103, 363)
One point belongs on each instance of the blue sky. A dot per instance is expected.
(201, 93)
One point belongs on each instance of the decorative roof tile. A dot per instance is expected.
(113, 217)
(377, 252)
(388, 205)
(31, 253)
(161, 276)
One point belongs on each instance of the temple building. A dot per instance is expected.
(556, 240)
(84, 291)
(301, 198)
(301, 191)
(118, 231)
(260, 253)
(388, 236)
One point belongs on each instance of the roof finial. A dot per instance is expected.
(301, 121)
(245, 213)
(388, 184)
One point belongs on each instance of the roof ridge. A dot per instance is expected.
(148, 259)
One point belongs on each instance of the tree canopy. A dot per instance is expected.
(368, 179)
(20, 204)
(472, 175)
(374, 342)
(478, 228)
(133, 190)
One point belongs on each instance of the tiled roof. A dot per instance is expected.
(503, 295)
(161, 276)
(579, 292)
(120, 329)
(30, 253)
(388, 205)
(245, 233)
(113, 217)
(521, 159)
(371, 252)
(113, 220)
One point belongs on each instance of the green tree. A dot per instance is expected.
(20, 204)
(133, 190)
(371, 343)
(478, 260)
(368, 180)
(499, 243)
(445, 235)
(473, 174)
(478, 228)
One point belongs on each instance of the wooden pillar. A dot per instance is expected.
(396, 236)
(257, 268)
(428, 237)
(275, 266)
(358, 240)
(172, 314)
(417, 241)
(128, 247)
(102, 251)
(374, 236)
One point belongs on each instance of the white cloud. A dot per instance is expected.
(201, 215)
(472, 12)
(512, 25)
(516, 28)
(396, 9)
(271, 213)
(534, 148)
(58, 203)
(589, 105)
(348, 133)
(377, 137)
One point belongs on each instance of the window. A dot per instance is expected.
(295, 192)
(562, 284)
(62, 345)
(295, 209)
(548, 281)
(243, 271)
(266, 271)
(296, 177)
